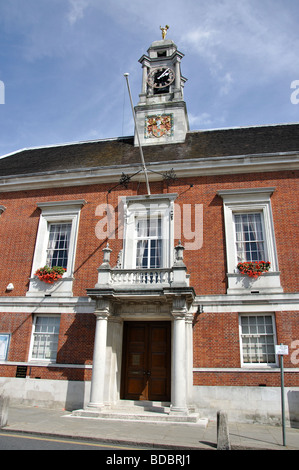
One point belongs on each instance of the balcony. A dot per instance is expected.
(142, 282)
(141, 277)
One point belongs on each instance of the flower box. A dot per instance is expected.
(254, 268)
(50, 275)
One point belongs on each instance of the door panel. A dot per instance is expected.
(136, 360)
(146, 361)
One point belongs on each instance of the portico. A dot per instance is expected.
(154, 305)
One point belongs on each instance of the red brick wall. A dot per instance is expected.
(216, 340)
(216, 345)
(75, 346)
(76, 338)
(48, 373)
(216, 337)
(19, 325)
(245, 379)
(19, 224)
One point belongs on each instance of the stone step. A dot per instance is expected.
(145, 412)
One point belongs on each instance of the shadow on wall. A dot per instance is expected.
(293, 403)
(76, 348)
(77, 395)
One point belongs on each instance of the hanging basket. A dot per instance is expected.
(254, 268)
(50, 275)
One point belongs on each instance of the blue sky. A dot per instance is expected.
(62, 64)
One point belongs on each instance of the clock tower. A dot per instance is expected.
(161, 114)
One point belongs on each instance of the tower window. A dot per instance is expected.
(161, 54)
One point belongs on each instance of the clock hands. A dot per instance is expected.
(166, 72)
(160, 77)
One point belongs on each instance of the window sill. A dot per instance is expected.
(260, 367)
(61, 288)
(267, 283)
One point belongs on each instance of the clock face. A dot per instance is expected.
(160, 77)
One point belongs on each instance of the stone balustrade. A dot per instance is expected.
(147, 278)
(141, 276)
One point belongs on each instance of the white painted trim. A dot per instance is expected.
(210, 303)
(247, 370)
(251, 303)
(36, 363)
(35, 316)
(255, 200)
(231, 164)
(55, 212)
(46, 305)
(259, 366)
(140, 206)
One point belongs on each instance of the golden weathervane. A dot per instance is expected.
(164, 31)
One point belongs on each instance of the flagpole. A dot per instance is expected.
(126, 75)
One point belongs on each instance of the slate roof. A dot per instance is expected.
(121, 151)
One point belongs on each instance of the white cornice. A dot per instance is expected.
(47, 304)
(183, 168)
(209, 303)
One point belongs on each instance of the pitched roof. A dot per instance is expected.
(121, 151)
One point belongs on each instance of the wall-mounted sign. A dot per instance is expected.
(282, 350)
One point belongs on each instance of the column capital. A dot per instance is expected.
(189, 318)
(178, 315)
(179, 308)
(103, 308)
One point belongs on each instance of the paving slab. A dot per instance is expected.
(150, 434)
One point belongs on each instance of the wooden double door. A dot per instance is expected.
(146, 361)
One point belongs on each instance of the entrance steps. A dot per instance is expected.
(148, 411)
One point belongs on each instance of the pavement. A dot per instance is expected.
(150, 434)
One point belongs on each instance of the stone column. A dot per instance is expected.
(99, 355)
(144, 78)
(177, 90)
(113, 360)
(189, 358)
(143, 93)
(179, 384)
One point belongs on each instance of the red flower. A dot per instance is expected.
(254, 268)
(50, 275)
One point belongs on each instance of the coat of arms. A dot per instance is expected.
(158, 125)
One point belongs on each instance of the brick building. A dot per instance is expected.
(151, 305)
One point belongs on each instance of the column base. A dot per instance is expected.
(178, 410)
(95, 406)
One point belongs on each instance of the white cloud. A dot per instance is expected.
(226, 84)
(77, 8)
(249, 34)
(240, 58)
(203, 119)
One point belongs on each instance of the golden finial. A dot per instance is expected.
(164, 31)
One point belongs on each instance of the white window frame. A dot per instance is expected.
(51, 213)
(148, 238)
(50, 257)
(4, 345)
(38, 360)
(235, 213)
(157, 205)
(254, 200)
(261, 365)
